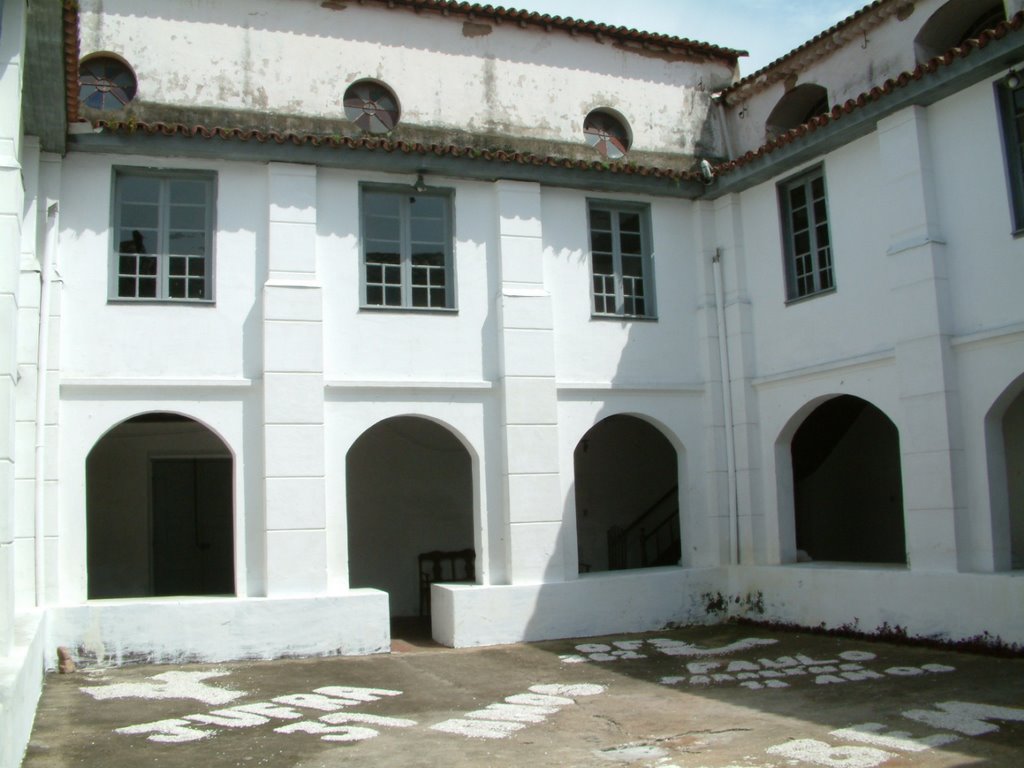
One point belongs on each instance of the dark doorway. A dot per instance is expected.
(1013, 447)
(192, 531)
(847, 484)
(410, 494)
(627, 496)
(159, 510)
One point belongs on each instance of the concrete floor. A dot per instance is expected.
(718, 697)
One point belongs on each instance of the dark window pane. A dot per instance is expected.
(126, 265)
(139, 215)
(603, 264)
(380, 253)
(374, 273)
(197, 266)
(420, 297)
(818, 187)
(427, 231)
(139, 189)
(381, 204)
(197, 289)
(126, 286)
(630, 243)
(629, 222)
(437, 297)
(427, 207)
(188, 191)
(176, 287)
(138, 241)
(802, 242)
(600, 219)
(187, 217)
(393, 297)
(147, 287)
(384, 228)
(797, 196)
(799, 219)
(427, 255)
(601, 241)
(177, 266)
(632, 267)
(374, 295)
(147, 265)
(187, 243)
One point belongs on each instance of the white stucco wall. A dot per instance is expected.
(485, 78)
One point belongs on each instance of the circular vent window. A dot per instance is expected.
(371, 106)
(607, 134)
(105, 83)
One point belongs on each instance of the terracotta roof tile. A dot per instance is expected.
(372, 144)
(828, 34)
(500, 14)
(877, 92)
(71, 57)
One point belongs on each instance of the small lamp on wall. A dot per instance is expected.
(1012, 79)
(420, 185)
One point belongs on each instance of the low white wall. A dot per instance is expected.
(21, 683)
(943, 606)
(176, 630)
(594, 604)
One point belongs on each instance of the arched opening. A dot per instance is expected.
(795, 108)
(1013, 448)
(955, 22)
(410, 511)
(1004, 439)
(159, 510)
(847, 484)
(627, 496)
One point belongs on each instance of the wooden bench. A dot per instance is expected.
(438, 567)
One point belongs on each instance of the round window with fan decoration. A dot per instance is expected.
(105, 83)
(607, 133)
(371, 106)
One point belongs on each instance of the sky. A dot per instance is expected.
(767, 29)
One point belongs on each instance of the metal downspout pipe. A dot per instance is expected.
(726, 373)
(42, 361)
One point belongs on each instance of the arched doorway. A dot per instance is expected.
(159, 510)
(847, 484)
(627, 496)
(410, 495)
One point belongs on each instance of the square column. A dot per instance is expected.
(293, 387)
(529, 400)
(931, 440)
(11, 206)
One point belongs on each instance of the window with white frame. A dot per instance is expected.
(620, 260)
(407, 249)
(163, 228)
(1010, 91)
(807, 241)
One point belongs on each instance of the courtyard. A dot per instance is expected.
(725, 696)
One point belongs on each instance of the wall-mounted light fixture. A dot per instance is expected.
(420, 185)
(1012, 79)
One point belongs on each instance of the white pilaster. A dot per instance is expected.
(293, 404)
(529, 400)
(931, 441)
(11, 207)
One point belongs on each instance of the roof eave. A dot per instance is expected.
(618, 179)
(961, 73)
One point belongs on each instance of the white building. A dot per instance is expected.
(331, 286)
